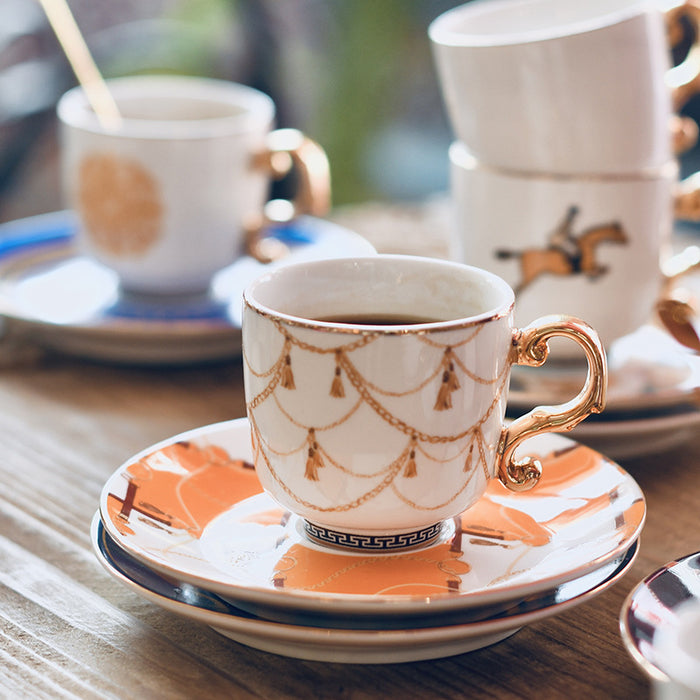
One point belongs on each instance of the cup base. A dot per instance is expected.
(368, 542)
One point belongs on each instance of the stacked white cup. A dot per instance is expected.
(563, 174)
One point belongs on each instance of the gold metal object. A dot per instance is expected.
(69, 36)
(287, 150)
(684, 79)
(675, 308)
(684, 133)
(678, 318)
(686, 201)
(530, 348)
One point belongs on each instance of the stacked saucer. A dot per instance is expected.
(186, 524)
(653, 401)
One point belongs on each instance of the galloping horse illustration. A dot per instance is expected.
(566, 254)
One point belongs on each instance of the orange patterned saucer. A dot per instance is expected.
(192, 509)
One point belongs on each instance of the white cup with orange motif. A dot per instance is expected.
(177, 189)
(376, 390)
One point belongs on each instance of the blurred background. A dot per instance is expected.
(355, 75)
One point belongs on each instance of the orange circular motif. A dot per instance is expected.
(120, 204)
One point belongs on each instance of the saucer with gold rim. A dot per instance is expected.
(192, 508)
(374, 644)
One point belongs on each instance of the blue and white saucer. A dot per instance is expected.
(70, 303)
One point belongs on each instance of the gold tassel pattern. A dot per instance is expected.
(449, 383)
(287, 378)
(410, 470)
(337, 388)
(313, 461)
(405, 464)
(468, 460)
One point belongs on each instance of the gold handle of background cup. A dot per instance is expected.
(287, 150)
(530, 348)
(684, 134)
(684, 79)
(676, 307)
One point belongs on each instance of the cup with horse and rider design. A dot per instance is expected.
(589, 244)
(564, 178)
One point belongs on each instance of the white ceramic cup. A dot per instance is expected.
(562, 86)
(592, 246)
(170, 196)
(375, 434)
(677, 654)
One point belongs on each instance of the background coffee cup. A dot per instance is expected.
(376, 390)
(172, 195)
(589, 245)
(559, 85)
(677, 653)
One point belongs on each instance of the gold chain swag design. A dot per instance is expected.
(449, 376)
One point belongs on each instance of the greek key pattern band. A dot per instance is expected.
(377, 543)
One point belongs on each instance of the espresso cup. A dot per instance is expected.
(562, 86)
(376, 390)
(590, 245)
(178, 189)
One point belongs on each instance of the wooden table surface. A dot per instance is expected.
(69, 630)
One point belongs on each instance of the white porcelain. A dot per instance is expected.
(53, 294)
(678, 655)
(587, 246)
(164, 198)
(367, 646)
(557, 85)
(375, 434)
(192, 509)
(660, 624)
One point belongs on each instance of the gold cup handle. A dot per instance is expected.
(287, 150)
(684, 79)
(530, 348)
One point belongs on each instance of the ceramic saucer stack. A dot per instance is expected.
(65, 301)
(186, 525)
(653, 399)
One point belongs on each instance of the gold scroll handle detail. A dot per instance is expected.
(530, 348)
(287, 150)
(684, 79)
